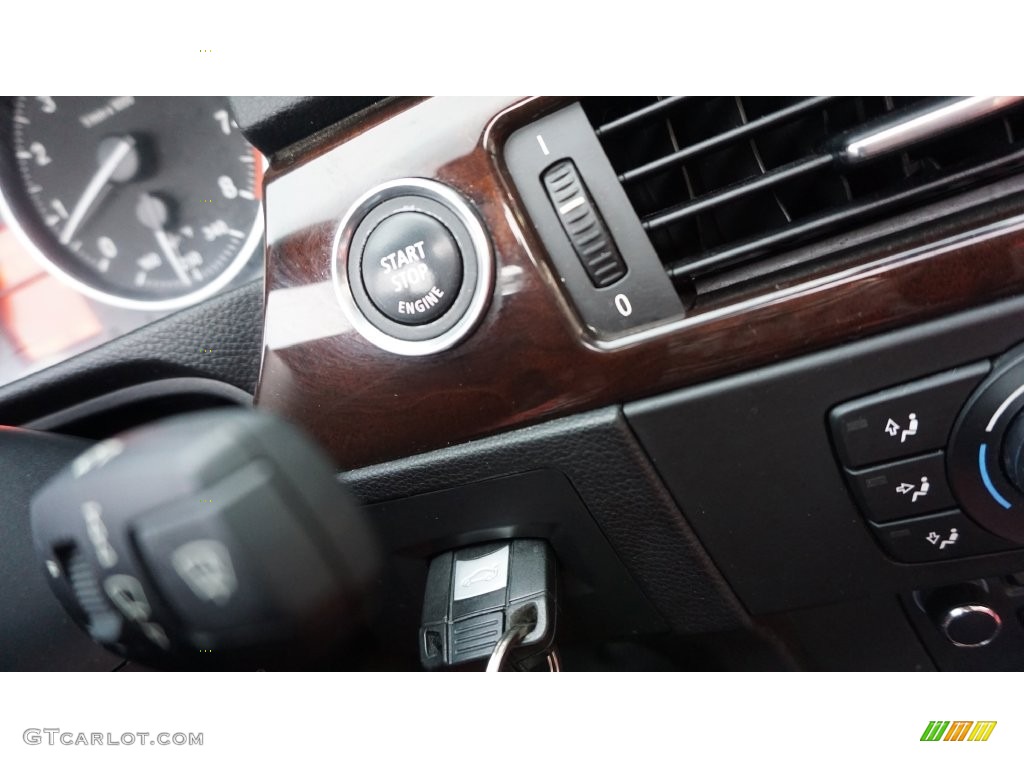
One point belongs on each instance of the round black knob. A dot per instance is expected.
(963, 615)
(970, 626)
(1012, 455)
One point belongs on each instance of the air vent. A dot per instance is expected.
(722, 182)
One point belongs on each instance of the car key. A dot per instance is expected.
(490, 600)
(218, 539)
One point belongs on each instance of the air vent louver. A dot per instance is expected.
(721, 181)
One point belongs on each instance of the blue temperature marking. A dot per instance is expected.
(988, 480)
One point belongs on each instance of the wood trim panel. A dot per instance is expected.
(530, 358)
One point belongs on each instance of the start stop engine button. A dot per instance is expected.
(412, 268)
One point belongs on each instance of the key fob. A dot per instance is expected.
(474, 595)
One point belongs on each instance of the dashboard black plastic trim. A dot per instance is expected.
(176, 395)
(748, 459)
(220, 339)
(602, 459)
(272, 123)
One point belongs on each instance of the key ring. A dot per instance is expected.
(508, 641)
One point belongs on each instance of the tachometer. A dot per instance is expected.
(143, 202)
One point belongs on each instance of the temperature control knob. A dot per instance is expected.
(985, 460)
(1012, 454)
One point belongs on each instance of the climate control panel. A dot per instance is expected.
(937, 464)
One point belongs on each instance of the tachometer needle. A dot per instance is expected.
(172, 255)
(97, 183)
(152, 213)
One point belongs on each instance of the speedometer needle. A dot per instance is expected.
(96, 184)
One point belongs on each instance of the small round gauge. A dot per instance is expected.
(141, 202)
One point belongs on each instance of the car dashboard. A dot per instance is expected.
(80, 266)
(750, 366)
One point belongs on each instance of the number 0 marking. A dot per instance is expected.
(222, 117)
(622, 304)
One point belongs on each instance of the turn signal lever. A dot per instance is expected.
(220, 539)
